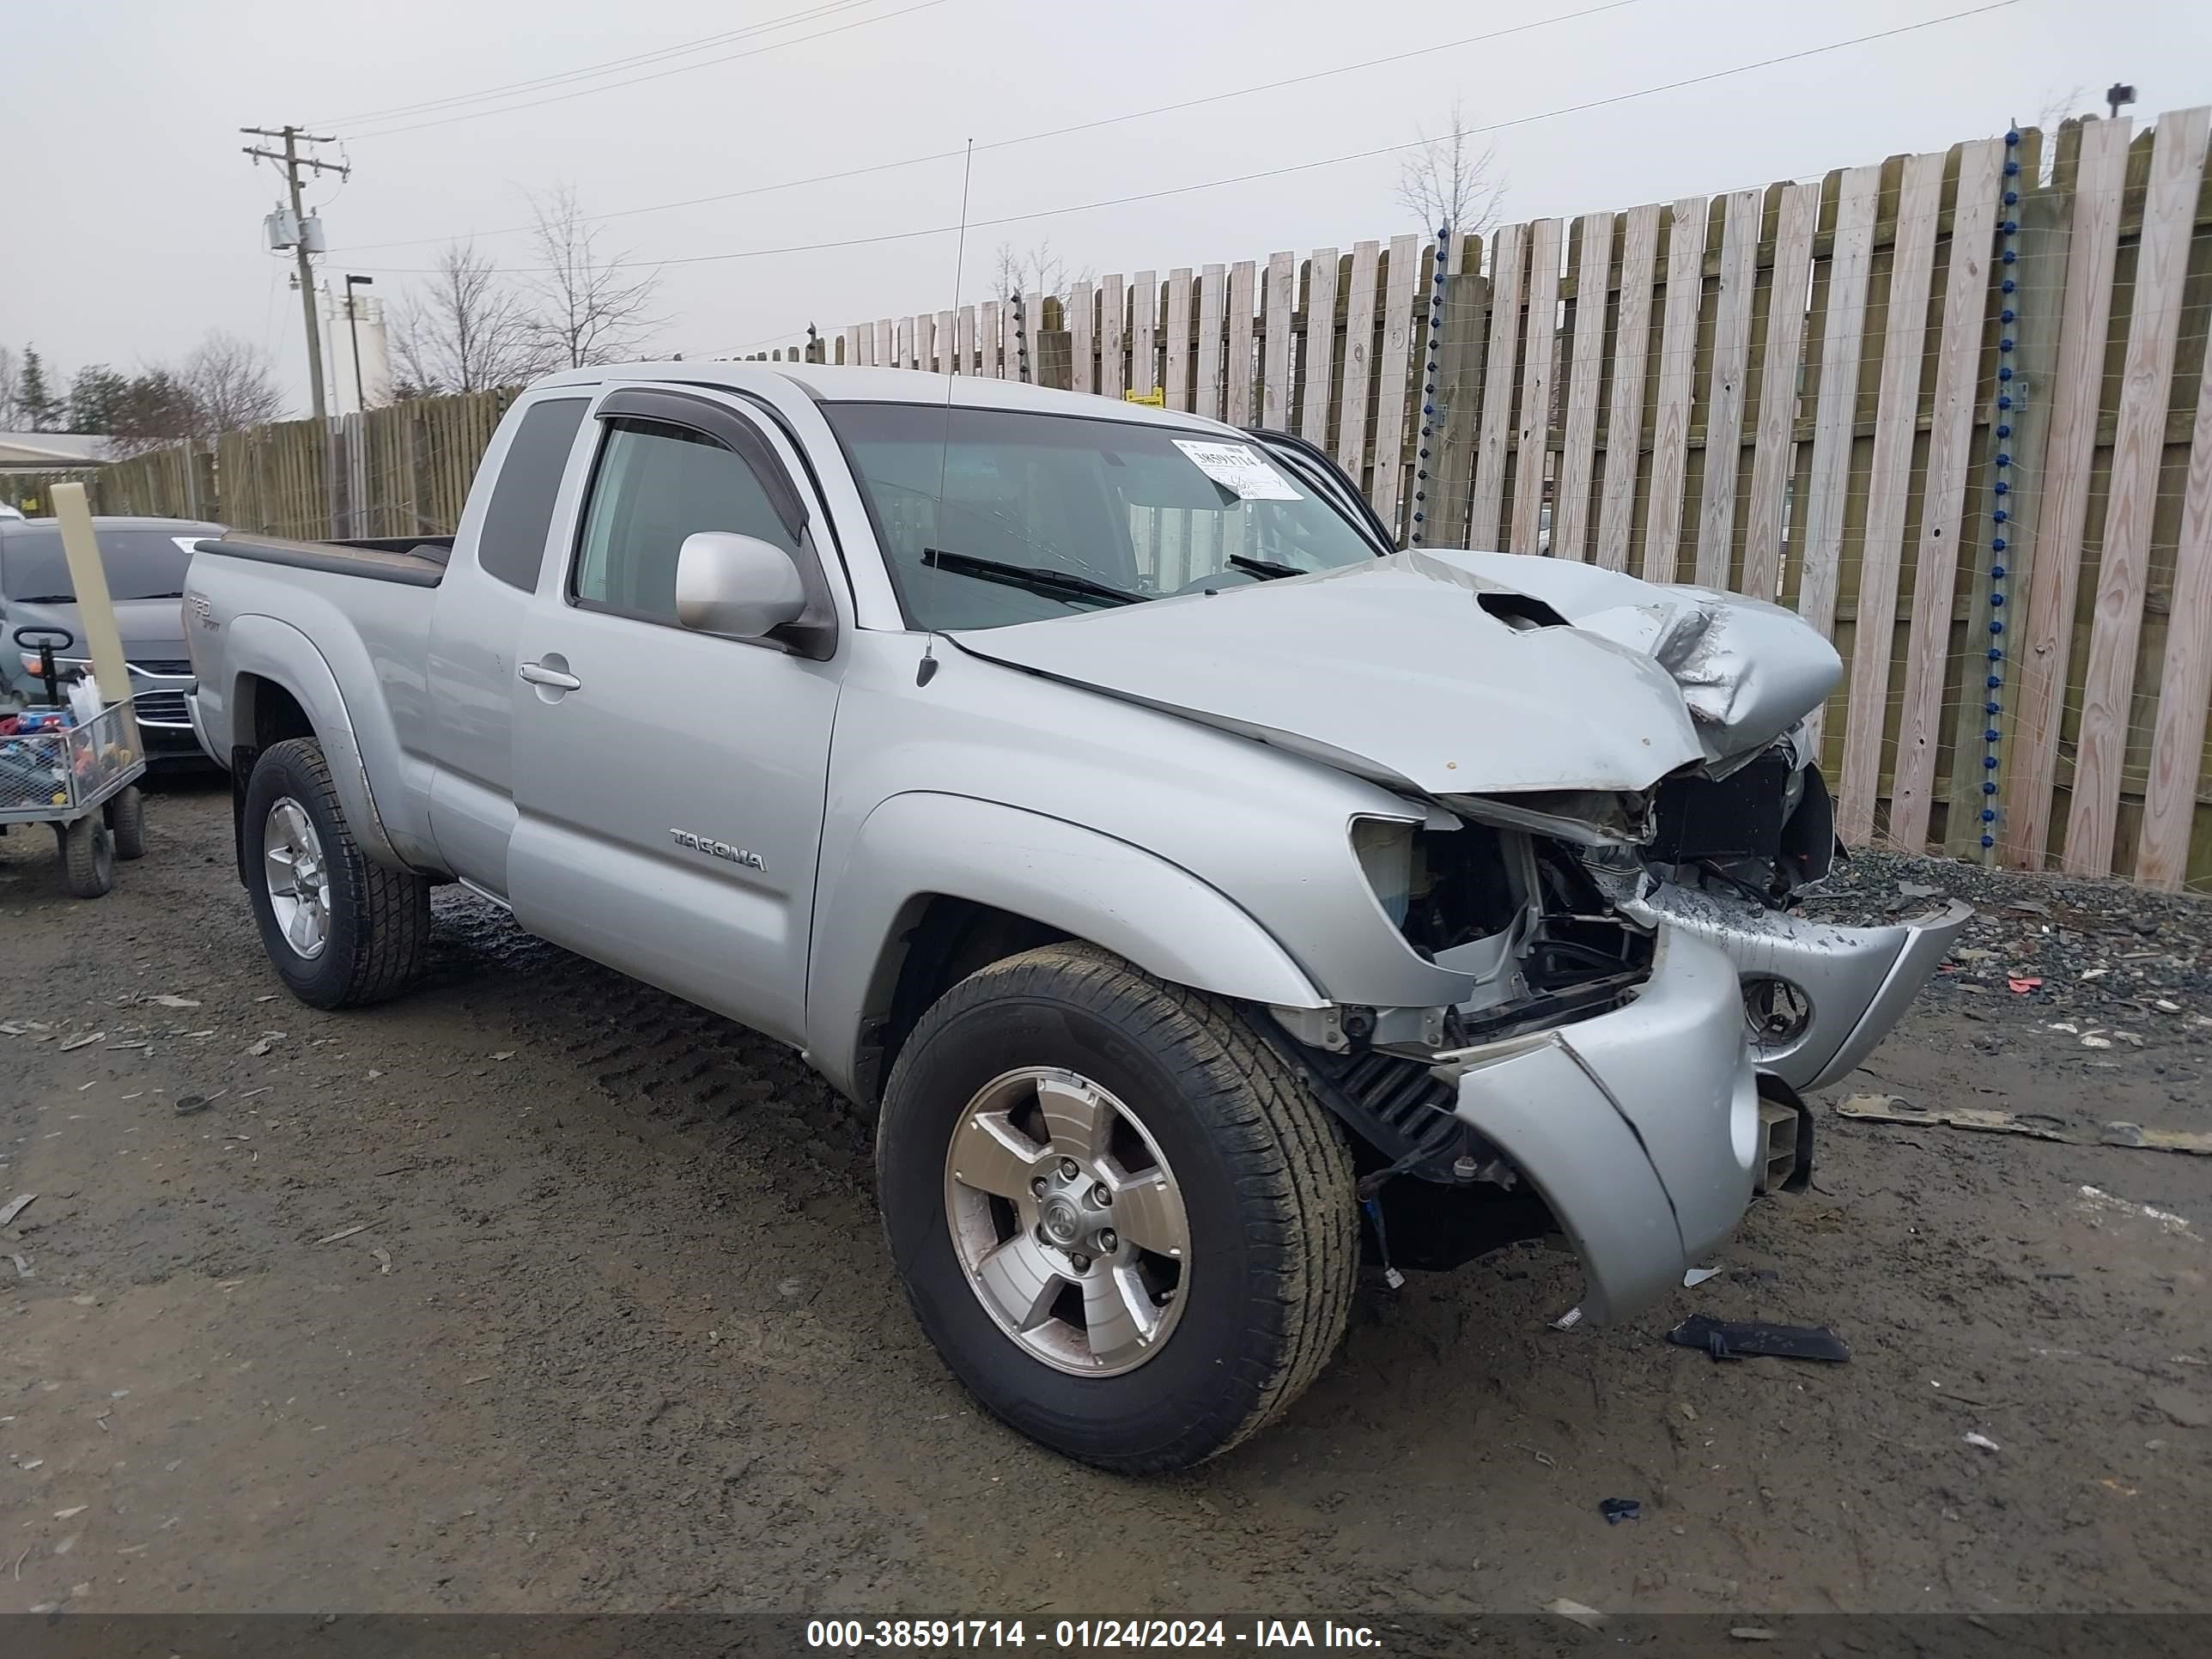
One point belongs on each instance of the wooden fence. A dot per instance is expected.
(403, 470)
(1955, 409)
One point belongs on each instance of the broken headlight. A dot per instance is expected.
(1440, 887)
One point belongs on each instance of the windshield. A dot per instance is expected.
(141, 564)
(997, 516)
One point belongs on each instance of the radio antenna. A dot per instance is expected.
(927, 670)
(944, 351)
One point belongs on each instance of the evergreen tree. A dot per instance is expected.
(95, 398)
(41, 410)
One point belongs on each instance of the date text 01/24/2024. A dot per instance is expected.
(926, 1635)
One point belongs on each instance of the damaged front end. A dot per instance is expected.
(1646, 1012)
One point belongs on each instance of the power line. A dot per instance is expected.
(658, 74)
(683, 48)
(1281, 172)
(1037, 137)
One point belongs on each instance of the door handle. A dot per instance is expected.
(539, 674)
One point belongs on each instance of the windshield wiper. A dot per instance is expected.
(1036, 578)
(1267, 569)
(51, 599)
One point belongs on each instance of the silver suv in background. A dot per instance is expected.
(1203, 895)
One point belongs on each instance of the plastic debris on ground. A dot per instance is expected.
(1589, 1618)
(1730, 1338)
(1893, 1108)
(1618, 1510)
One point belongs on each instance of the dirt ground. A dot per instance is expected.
(539, 1290)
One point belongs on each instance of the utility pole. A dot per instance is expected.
(353, 335)
(291, 161)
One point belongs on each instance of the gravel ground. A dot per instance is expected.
(538, 1290)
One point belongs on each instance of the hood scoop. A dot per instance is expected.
(1519, 610)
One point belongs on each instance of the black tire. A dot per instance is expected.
(1266, 1182)
(380, 919)
(87, 857)
(126, 817)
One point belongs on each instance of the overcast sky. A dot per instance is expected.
(134, 222)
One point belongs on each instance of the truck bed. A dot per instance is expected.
(412, 561)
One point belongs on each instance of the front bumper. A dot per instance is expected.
(1640, 1128)
(1854, 983)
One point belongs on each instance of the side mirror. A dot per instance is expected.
(738, 585)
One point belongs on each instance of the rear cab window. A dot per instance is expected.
(511, 546)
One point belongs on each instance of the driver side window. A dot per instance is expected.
(654, 485)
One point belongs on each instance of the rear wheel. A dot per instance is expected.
(126, 816)
(1121, 1217)
(88, 856)
(339, 930)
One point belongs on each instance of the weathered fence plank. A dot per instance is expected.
(1731, 368)
(1176, 348)
(1358, 360)
(1083, 312)
(1459, 376)
(1592, 246)
(2177, 747)
(1275, 362)
(1678, 369)
(1206, 398)
(1533, 428)
(2177, 176)
(1943, 491)
(1238, 377)
(1320, 352)
(1144, 336)
(1881, 553)
(1113, 341)
(1406, 271)
(1624, 419)
(1767, 515)
(1842, 348)
(1509, 260)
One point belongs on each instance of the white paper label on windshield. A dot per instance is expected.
(1239, 467)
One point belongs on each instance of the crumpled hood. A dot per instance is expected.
(1431, 672)
(1393, 669)
(1748, 670)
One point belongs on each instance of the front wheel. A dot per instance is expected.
(339, 930)
(87, 857)
(1121, 1218)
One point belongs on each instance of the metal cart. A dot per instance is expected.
(84, 782)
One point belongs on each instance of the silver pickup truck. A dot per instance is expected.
(1204, 896)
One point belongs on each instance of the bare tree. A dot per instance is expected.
(1036, 269)
(1452, 179)
(2059, 107)
(590, 310)
(232, 385)
(464, 330)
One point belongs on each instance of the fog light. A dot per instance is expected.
(1776, 1011)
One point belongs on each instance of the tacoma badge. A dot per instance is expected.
(718, 849)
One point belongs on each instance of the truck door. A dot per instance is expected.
(669, 785)
(528, 485)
